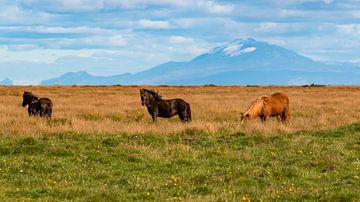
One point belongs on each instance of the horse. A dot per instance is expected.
(42, 106)
(275, 105)
(157, 107)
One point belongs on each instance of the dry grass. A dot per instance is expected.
(117, 109)
(101, 145)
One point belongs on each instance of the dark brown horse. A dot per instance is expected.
(42, 106)
(158, 107)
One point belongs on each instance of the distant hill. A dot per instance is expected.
(84, 78)
(6, 82)
(243, 61)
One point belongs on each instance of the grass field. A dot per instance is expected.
(102, 145)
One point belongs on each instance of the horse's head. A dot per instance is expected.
(245, 116)
(255, 109)
(142, 96)
(28, 98)
(145, 96)
(148, 96)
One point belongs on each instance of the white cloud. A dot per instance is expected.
(56, 30)
(180, 39)
(328, 1)
(154, 24)
(292, 13)
(16, 15)
(30, 53)
(117, 40)
(80, 4)
(186, 22)
(349, 28)
(196, 50)
(302, 1)
(268, 26)
(21, 47)
(91, 5)
(132, 4)
(65, 5)
(213, 7)
(210, 6)
(67, 30)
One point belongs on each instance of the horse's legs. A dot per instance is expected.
(49, 112)
(188, 113)
(154, 118)
(182, 116)
(42, 112)
(285, 116)
(29, 110)
(32, 110)
(279, 118)
(187, 117)
(154, 115)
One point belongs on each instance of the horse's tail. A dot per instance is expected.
(188, 112)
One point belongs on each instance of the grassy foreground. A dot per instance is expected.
(188, 165)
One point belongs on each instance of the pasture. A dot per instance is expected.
(101, 144)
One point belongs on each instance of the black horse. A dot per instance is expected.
(158, 107)
(42, 106)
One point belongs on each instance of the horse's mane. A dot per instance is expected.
(256, 106)
(29, 95)
(153, 93)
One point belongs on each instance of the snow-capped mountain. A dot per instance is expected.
(236, 48)
(242, 61)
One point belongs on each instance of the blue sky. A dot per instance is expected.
(40, 39)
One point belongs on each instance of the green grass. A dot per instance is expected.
(192, 165)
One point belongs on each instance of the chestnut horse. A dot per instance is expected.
(275, 105)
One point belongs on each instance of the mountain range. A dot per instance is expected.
(6, 82)
(242, 61)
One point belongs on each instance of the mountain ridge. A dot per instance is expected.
(242, 61)
(6, 82)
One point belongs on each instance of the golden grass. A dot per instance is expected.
(117, 109)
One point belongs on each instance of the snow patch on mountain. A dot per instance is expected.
(236, 49)
(232, 50)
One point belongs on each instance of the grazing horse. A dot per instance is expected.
(275, 105)
(42, 106)
(158, 107)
